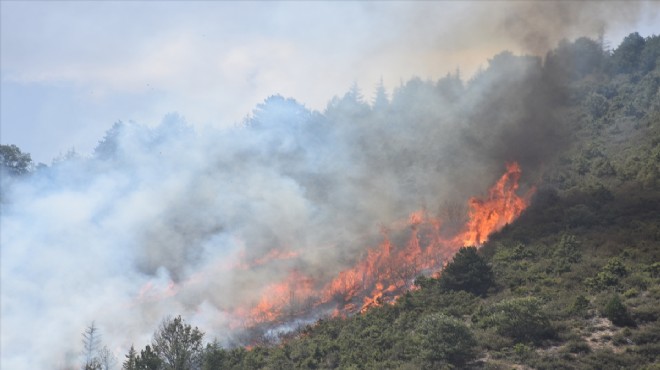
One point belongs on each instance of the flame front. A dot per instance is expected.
(388, 270)
(501, 207)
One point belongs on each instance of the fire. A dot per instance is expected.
(280, 299)
(502, 207)
(388, 270)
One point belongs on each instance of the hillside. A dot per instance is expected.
(248, 229)
(576, 278)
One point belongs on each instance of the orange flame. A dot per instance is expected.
(389, 270)
(502, 207)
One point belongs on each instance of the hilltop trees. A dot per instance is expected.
(13, 161)
(175, 346)
(626, 58)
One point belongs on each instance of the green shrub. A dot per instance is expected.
(580, 305)
(609, 275)
(469, 272)
(521, 319)
(566, 253)
(617, 312)
(578, 346)
(443, 339)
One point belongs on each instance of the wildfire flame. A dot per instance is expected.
(389, 270)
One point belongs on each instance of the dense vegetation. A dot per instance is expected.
(573, 284)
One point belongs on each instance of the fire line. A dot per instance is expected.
(389, 270)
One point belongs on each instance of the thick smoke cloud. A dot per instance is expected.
(168, 220)
(171, 220)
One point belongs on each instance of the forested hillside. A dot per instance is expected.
(574, 283)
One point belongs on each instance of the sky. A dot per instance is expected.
(69, 70)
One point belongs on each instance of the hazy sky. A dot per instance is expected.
(69, 70)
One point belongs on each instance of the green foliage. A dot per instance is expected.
(626, 58)
(178, 345)
(443, 339)
(148, 360)
(469, 272)
(556, 265)
(518, 253)
(577, 346)
(653, 269)
(521, 319)
(13, 161)
(609, 275)
(617, 312)
(566, 253)
(130, 362)
(575, 59)
(580, 305)
(597, 105)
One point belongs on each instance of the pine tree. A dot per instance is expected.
(131, 357)
(91, 341)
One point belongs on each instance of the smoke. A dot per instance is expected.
(172, 220)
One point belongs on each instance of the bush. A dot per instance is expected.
(444, 339)
(580, 305)
(521, 319)
(616, 312)
(609, 275)
(469, 272)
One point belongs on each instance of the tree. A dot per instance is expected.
(278, 112)
(444, 339)
(380, 102)
(350, 106)
(131, 357)
(650, 57)
(617, 312)
(148, 360)
(178, 345)
(214, 356)
(468, 271)
(91, 340)
(108, 146)
(13, 161)
(626, 58)
(106, 359)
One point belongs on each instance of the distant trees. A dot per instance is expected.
(95, 357)
(380, 102)
(276, 111)
(469, 272)
(148, 360)
(91, 340)
(626, 58)
(178, 345)
(13, 161)
(131, 357)
(175, 346)
(107, 147)
(573, 60)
